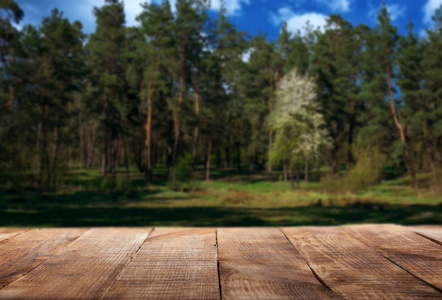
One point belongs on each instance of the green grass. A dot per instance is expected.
(232, 199)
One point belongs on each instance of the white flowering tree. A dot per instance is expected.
(299, 126)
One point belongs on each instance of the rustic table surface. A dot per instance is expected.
(349, 262)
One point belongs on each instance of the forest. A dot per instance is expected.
(184, 96)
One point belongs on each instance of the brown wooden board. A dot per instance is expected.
(172, 264)
(84, 269)
(433, 233)
(7, 233)
(408, 250)
(26, 251)
(353, 270)
(262, 264)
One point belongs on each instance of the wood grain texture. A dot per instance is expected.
(353, 270)
(172, 264)
(433, 233)
(414, 253)
(26, 251)
(262, 264)
(7, 233)
(83, 270)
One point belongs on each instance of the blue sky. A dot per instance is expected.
(256, 16)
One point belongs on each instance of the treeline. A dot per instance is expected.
(184, 86)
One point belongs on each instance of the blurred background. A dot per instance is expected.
(222, 113)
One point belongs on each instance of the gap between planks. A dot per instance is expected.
(30, 248)
(131, 258)
(218, 265)
(353, 269)
(84, 269)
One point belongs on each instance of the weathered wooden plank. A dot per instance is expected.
(7, 233)
(24, 252)
(353, 270)
(433, 233)
(172, 264)
(414, 253)
(84, 269)
(262, 264)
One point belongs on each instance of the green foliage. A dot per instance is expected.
(250, 199)
(366, 172)
(184, 84)
(299, 125)
(181, 174)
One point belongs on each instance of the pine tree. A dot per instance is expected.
(387, 40)
(226, 65)
(260, 96)
(333, 55)
(189, 23)
(431, 93)
(62, 45)
(154, 51)
(106, 46)
(10, 13)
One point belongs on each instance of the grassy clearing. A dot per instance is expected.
(231, 199)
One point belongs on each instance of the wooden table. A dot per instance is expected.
(350, 262)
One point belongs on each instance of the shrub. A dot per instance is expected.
(181, 174)
(366, 172)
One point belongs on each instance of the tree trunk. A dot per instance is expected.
(169, 156)
(148, 136)
(350, 138)
(430, 156)
(38, 145)
(252, 164)
(306, 170)
(438, 151)
(298, 177)
(270, 151)
(54, 149)
(407, 158)
(44, 160)
(218, 158)
(285, 172)
(126, 159)
(227, 158)
(238, 157)
(178, 118)
(104, 158)
(335, 162)
(113, 153)
(292, 184)
(197, 115)
(209, 152)
(351, 128)
(276, 79)
(91, 149)
(11, 96)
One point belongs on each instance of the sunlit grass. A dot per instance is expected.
(248, 199)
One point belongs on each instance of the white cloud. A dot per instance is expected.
(132, 8)
(297, 22)
(336, 5)
(430, 8)
(233, 7)
(395, 10)
(246, 55)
